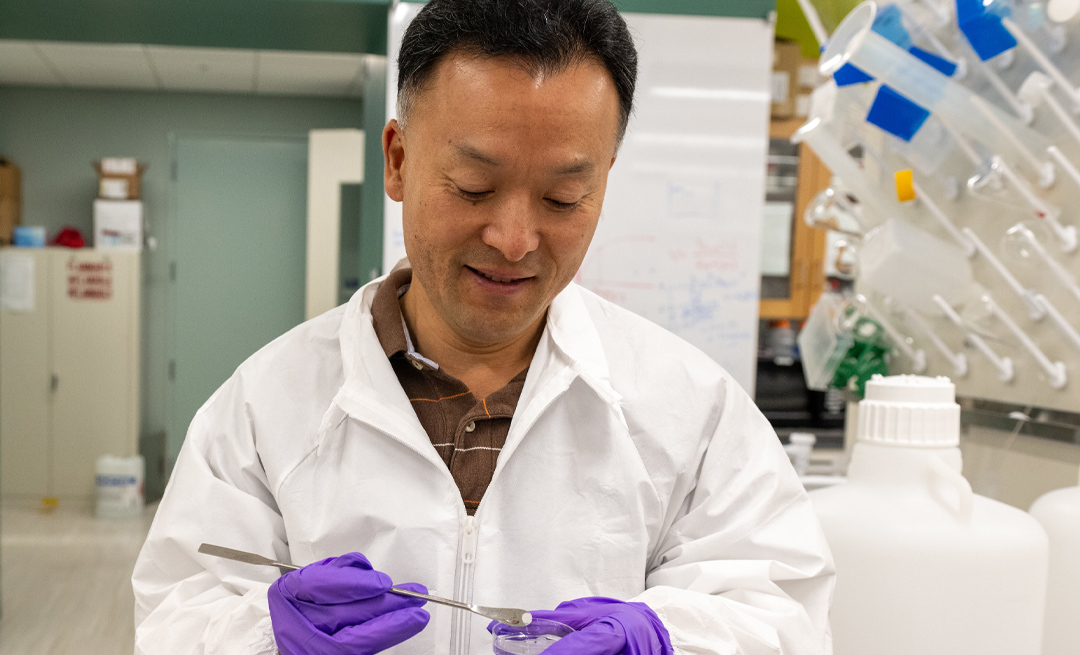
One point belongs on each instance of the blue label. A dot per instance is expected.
(943, 66)
(848, 75)
(982, 27)
(889, 23)
(115, 480)
(896, 114)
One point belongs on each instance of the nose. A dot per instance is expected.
(513, 229)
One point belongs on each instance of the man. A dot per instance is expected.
(476, 424)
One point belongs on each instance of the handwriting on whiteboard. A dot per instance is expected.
(692, 285)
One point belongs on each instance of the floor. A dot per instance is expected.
(66, 581)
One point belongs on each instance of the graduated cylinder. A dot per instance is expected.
(924, 565)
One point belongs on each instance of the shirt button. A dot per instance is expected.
(471, 426)
(417, 365)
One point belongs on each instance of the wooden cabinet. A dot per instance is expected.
(69, 368)
(793, 253)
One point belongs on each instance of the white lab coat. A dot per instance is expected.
(635, 468)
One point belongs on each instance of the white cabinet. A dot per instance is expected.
(69, 368)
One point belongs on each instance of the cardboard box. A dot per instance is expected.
(118, 225)
(787, 58)
(10, 199)
(808, 79)
(119, 178)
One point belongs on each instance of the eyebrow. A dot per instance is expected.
(466, 151)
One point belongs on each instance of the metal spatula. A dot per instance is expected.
(507, 615)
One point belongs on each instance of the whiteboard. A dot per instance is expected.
(679, 239)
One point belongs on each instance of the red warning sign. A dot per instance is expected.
(89, 280)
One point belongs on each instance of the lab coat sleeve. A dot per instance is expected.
(186, 602)
(744, 567)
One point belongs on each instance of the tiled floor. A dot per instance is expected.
(66, 581)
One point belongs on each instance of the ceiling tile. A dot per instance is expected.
(306, 73)
(100, 66)
(203, 69)
(20, 63)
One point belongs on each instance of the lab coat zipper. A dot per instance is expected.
(459, 635)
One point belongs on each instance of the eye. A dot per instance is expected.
(473, 195)
(562, 206)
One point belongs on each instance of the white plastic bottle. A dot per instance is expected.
(923, 565)
(1059, 513)
(119, 482)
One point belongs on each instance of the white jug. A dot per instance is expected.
(923, 565)
(1059, 513)
(119, 482)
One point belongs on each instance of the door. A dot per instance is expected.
(238, 260)
(25, 396)
(94, 307)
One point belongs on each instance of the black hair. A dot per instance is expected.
(545, 36)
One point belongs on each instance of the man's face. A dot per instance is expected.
(502, 176)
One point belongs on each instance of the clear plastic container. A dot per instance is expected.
(531, 639)
(824, 340)
(902, 261)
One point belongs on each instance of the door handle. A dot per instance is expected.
(54, 382)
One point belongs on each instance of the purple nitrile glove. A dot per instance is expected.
(340, 606)
(605, 626)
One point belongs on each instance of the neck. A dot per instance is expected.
(483, 367)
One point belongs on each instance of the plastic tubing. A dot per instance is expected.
(855, 42)
(958, 360)
(1055, 371)
(1027, 296)
(1060, 321)
(1004, 365)
(1042, 60)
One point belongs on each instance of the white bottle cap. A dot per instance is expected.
(910, 410)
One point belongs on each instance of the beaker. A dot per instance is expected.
(531, 639)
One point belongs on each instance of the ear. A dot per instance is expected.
(393, 160)
(612, 162)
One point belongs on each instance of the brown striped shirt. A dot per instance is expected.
(467, 432)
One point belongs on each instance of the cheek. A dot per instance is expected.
(570, 243)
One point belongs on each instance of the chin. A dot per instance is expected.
(485, 330)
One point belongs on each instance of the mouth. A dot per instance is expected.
(496, 278)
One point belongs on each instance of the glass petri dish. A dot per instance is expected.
(531, 639)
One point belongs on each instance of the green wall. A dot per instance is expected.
(732, 8)
(372, 195)
(54, 135)
(318, 25)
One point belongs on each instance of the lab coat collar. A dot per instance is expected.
(571, 329)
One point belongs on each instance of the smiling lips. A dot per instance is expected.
(496, 278)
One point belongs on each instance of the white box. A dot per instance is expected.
(118, 224)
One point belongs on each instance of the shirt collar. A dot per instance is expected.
(569, 328)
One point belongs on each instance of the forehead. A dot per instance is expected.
(476, 94)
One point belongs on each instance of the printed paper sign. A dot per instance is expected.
(89, 280)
